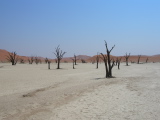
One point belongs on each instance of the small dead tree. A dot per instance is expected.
(31, 59)
(59, 54)
(147, 60)
(109, 63)
(97, 59)
(139, 56)
(119, 61)
(21, 60)
(126, 58)
(46, 60)
(75, 59)
(36, 59)
(12, 57)
(83, 61)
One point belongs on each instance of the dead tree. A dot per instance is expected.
(75, 59)
(83, 61)
(126, 58)
(147, 60)
(119, 61)
(109, 63)
(36, 59)
(97, 59)
(59, 54)
(139, 56)
(46, 60)
(12, 57)
(21, 60)
(31, 59)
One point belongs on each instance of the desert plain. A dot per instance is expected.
(32, 92)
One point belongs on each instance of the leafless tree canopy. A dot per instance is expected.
(12, 57)
(109, 63)
(59, 54)
(127, 57)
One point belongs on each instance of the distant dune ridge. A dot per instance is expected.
(133, 58)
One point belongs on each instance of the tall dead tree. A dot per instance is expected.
(109, 63)
(139, 56)
(97, 59)
(59, 54)
(119, 61)
(12, 57)
(126, 58)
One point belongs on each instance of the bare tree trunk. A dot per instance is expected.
(139, 56)
(97, 59)
(58, 66)
(119, 62)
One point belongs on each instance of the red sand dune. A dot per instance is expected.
(133, 58)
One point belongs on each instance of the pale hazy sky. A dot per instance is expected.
(36, 27)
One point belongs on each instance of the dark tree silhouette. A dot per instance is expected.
(147, 60)
(21, 60)
(46, 60)
(36, 59)
(75, 59)
(109, 63)
(97, 59)
(83, 61)
(12, 57)
(126, 58)
(48, 64)
(119, 61)
(59, 54)
(31, 59)
(139, 56)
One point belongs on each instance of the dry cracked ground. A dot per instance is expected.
(32, 92)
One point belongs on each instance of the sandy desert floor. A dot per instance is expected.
(32, 92)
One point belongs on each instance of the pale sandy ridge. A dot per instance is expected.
(79, 94)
